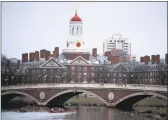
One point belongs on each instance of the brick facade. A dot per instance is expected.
(73, 56)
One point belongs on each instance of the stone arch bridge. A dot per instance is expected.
(112, 95)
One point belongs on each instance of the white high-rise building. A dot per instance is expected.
(117, 42)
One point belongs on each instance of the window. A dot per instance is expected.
(111, 43)
(93, 69)
(121, 40)
(77, 31)
(81, 31)
(73, 31)
(79, 73)
(114, 40)
(79, 68)
(93, 74)
(118, 41)
(73, 68)
(85, 74)
(151, 74)
(120, 75)
(73, 74)
(110, 40)
(84, 68)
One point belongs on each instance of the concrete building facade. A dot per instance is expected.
(117, 41)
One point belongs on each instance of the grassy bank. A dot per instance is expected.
(152, 105)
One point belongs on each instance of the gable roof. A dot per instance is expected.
(79, 61)
(119, 68)
(51, 63)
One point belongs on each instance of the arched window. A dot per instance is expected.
(81, 31)
(72, 30)
(77, 31)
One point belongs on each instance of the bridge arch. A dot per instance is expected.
(78, 90)
(143, 94)
(21, 93)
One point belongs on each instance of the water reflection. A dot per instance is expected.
(83, 113)
(110, 115)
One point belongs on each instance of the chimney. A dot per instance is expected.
(157, 59)
(54, 54)
(42, 53)
(166, 58)
(146, 59)
(57, 51)
(94, 52)
(32, 56)
(153, 59)
(108, 54)
(47, 54)
(25, 57)
(141, 59)
(37, 55)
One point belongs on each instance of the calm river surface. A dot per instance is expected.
(83, 113)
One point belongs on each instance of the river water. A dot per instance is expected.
(83, 113)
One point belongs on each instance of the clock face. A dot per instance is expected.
(78, 44)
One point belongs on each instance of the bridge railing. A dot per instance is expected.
(95, 85)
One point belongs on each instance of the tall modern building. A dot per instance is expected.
(117, 42)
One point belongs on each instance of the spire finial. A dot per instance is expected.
(76, 11)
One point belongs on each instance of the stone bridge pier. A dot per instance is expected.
(111, 95)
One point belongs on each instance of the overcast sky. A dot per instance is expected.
(30, 26)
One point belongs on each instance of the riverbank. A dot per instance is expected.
(152, 107)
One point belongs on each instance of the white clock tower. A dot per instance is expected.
(75, 42)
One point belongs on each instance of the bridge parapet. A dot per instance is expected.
(92, 86)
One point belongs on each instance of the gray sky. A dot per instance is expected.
(30, 26)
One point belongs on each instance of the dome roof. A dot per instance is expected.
(76, 17)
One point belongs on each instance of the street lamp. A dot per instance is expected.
(46, 78)
(124, 80)
(63, 80)
(39, 78)
(131, 78)
(56, 78)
